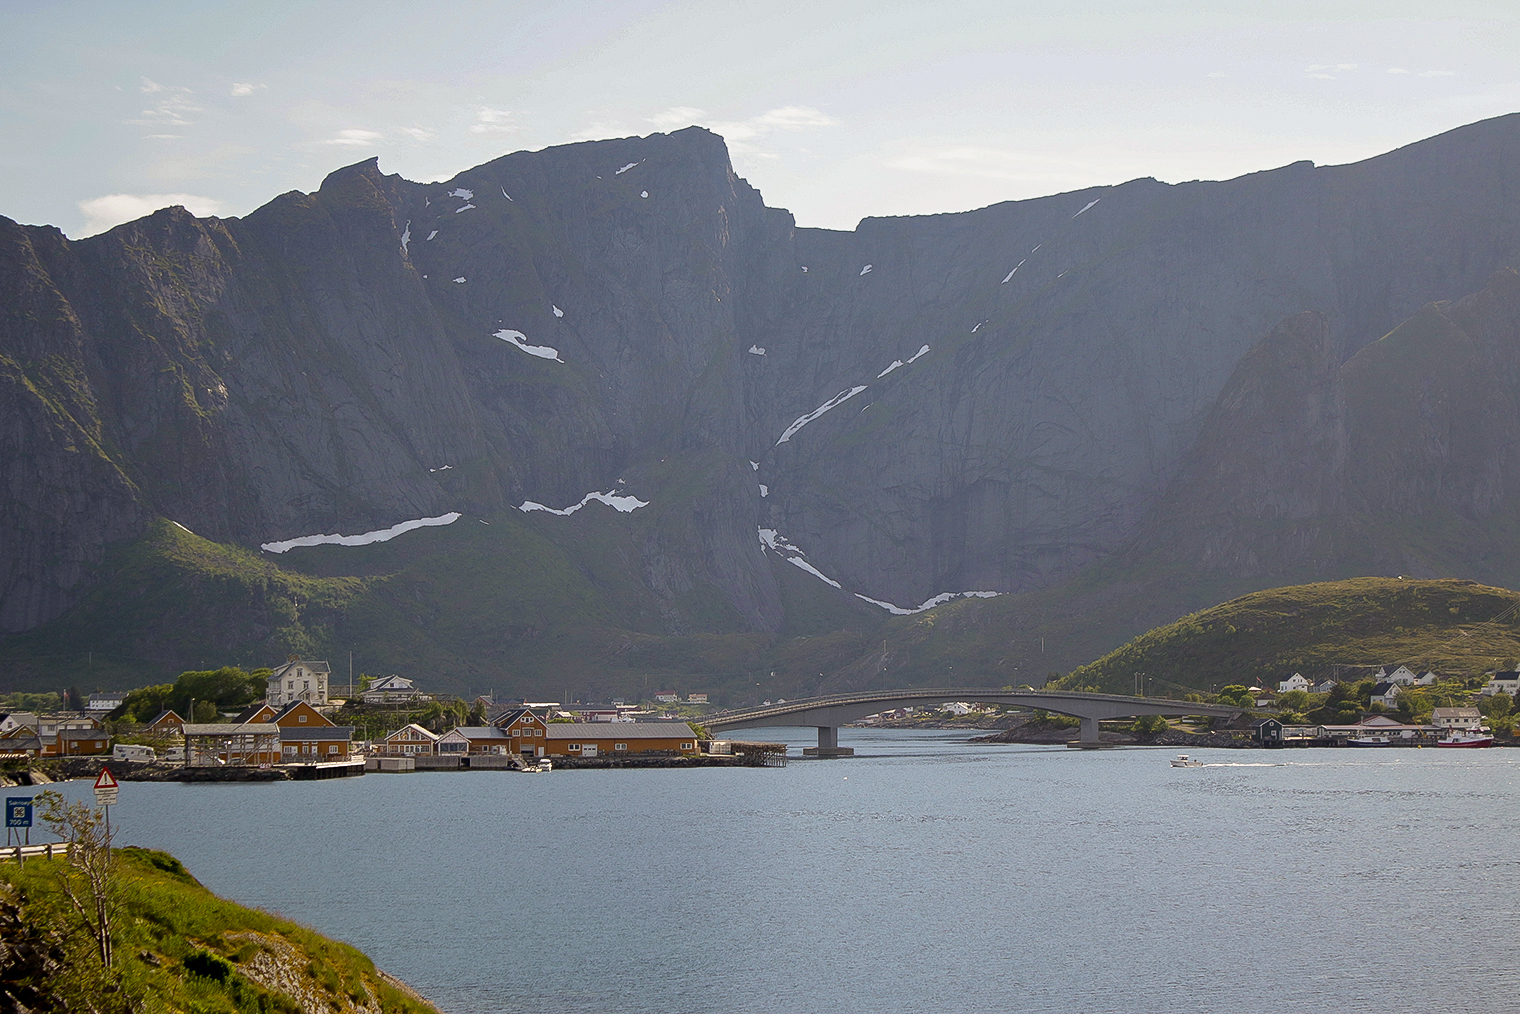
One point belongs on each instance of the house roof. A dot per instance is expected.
(293, 705)
(1507, 675)
(246, 715)
(1382, 689)
(77, 734)
(508, 717)
(414, 727)
(317, 667)
(620, 730)
(323, 733)
(1455, 713)
(391, 682)
(478, 732)
(231, 729)
(165, 714)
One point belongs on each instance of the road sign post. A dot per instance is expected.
(106, 789)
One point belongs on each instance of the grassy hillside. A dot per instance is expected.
(178, 947)
(1449, 626)
(533, 604)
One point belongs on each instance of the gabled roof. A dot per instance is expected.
(1382, 689)
(414, 728)
(391, 682)
(165, 714)
(478, 732)
(1455, 713)
(294, 705)
(318, 667)
(231, 729)
(506, 718)
(249, 713)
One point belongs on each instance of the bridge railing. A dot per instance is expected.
(942, 694)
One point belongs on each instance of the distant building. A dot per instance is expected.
(1456, 718)
(1397, 675)
(667, 696)
(528, 731)
(474, 739)
(594, 712)
(408, 741)
(696, 698)
(392, 689)
(1426, 679)
(1326, 686)
(599, 739)
(1502, 683)
(165, 723)
(298, 681)
(1294, 682)
(106, 700)
(1387, 694)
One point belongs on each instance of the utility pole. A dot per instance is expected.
(350, 675)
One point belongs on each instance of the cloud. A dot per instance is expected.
(172, 105)
(1438, 73)
(417, 133)
(110, 210)
(492, 121)
(677, 117)
(354, 138)
(1397, 70)
(1327, 71)
(990, 163)
(741, 135)
(241, 88)
(598, 129)
(1216, 73)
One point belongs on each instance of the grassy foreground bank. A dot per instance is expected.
(177, 947)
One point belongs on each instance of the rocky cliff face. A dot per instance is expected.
(987, 401)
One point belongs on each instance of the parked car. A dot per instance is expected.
(175, 755)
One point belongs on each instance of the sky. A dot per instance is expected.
(834, 109)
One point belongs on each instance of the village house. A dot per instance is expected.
(527, 730)
(165, 723)
(1387, 694)
(309, 737)
(601, 739)
(1326, 686)
(595, 712)
(393, 689)
(667, 696)
(408, 741)
(1465, 719)
(20, 740)
(15, 719)
(474, 739)
(1502, 683)
(298, 681)
(1400, 676)
(696, 698)
(1426, 679)
(104, 702)
(1294, 682)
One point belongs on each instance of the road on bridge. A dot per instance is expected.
(827, 714)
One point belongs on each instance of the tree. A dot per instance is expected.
(1149, 726)
(86, 875)
(1237, 696)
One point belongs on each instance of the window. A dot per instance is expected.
(300, 718)
(332, 748)
(572, 746)
(688, 746)
(620, 746)
(538, 732)
(516, 733)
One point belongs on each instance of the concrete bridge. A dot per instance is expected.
(827, 714)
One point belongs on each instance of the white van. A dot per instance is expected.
(175, 755)
(133, 754)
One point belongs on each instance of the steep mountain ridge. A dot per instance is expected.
(592, 318)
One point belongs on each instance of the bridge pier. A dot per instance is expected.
(828, 744)
(1089, 738)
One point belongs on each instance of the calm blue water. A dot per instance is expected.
(927, 874)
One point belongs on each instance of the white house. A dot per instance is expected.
(1400, 676)
(1386, 694)
(1426, 679)
(1326, 686)
(1456, 718)
(297, 680)
(1502, 683)
(1294, 682)
(107, 700)
(392, 689)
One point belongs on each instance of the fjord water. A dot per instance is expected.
(926, 873)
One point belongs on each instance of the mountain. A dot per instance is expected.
(1102, 406)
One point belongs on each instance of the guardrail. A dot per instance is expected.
(19, 852)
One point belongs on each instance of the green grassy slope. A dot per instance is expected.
(534, 604)
(1449, 626)
(178, 947)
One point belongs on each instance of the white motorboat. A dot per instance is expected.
(1182, 760)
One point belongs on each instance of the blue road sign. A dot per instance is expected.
(18, 811)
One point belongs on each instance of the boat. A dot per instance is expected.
(1369, 741)
(546, 765)
(1182, 760)
(1468, 739)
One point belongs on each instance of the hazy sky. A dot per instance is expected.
(834, 109)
